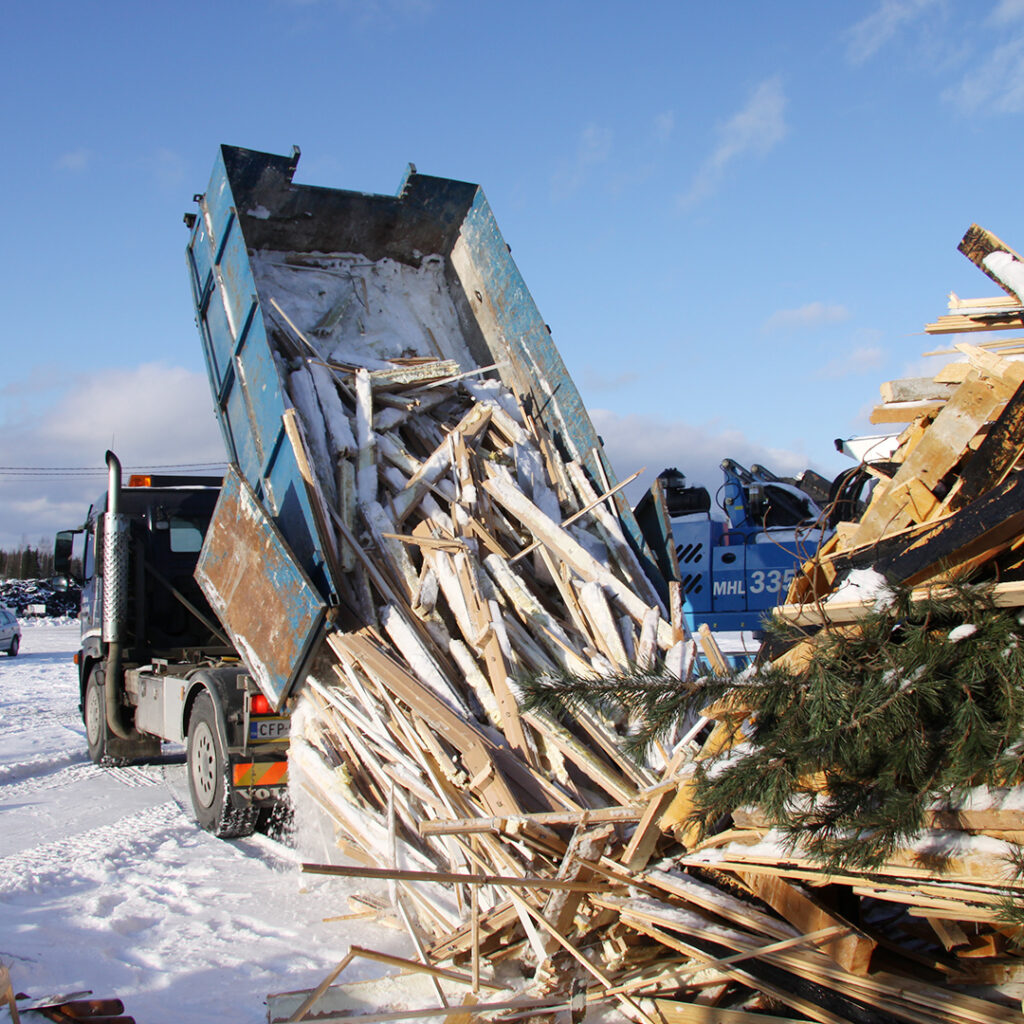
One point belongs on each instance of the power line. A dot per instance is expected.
(98, 471)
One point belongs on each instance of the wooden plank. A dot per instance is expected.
(997, 454)
(498, 669)
(712, 652)
(447, 877)
(852, 950)
(938, 451)
(568, 549)
(786, 997)
(7, 993)
(477, 751)
(995, 259)
(467, 826)
(648, 832)
(904, 412)
(672, 1011)
(915, 389)
(589, 507)
(958, 324)
(469, 428)
(561, 906)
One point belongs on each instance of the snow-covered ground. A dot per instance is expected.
(107, 885)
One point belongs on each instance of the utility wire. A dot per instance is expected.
(86, 471)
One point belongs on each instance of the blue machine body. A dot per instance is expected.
(734, 570)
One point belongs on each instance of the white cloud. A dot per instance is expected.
(593, 147)
(635, 442)
(1007, 11)
(664, 125)
(856, 361)
(150, 415)
(807, 317)
(995, 85)
(167, 167)
(754, 130)
(870, 34)
(74, 160)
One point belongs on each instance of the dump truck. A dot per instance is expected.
(421, 276)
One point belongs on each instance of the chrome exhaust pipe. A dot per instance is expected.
(115, 595)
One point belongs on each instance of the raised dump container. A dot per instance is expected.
(422, 275)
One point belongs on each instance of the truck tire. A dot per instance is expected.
(105, 748)
(94, 714)
(208, 776)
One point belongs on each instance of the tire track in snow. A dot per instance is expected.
(39, 768)
(54, 771)
(97, 855)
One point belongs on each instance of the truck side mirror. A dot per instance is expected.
(62, 551)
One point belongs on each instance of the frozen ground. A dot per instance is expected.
(107, 885)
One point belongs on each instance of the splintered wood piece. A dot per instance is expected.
(590, 506)
(565, 547)
(851, 951)
(366, 459)
(649, 926)
(590, 816)
(904, 412)
(316, 994)
(469, 428)
(586, 964)
(995, 259)
(317, 501)
(712, 651)
(939, 449)
(603, 629)
(997, 454)
(915, 389)
(610, 527)
(587, 843)
(1007, 374)
(950, 934)
(498, 669)
(477, 751)
(648, 832)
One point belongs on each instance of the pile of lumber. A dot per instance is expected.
(948, 504)
(529, 854)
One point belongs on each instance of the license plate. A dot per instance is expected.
(261, 729)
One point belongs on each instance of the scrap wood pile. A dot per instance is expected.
(947, 504)
(943, 526)
(470, 554)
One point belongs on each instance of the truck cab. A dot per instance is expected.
(155, 666)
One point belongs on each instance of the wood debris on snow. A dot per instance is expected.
(468, 552)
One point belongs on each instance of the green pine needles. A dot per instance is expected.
(918, 704)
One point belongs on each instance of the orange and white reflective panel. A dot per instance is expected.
(260, 773)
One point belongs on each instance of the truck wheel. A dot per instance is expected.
(94, 713)
(208, 776)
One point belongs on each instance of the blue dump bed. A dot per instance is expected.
(424, 274)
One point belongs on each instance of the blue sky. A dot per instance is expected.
(735, 217)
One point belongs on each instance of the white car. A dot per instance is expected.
(10, 632)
